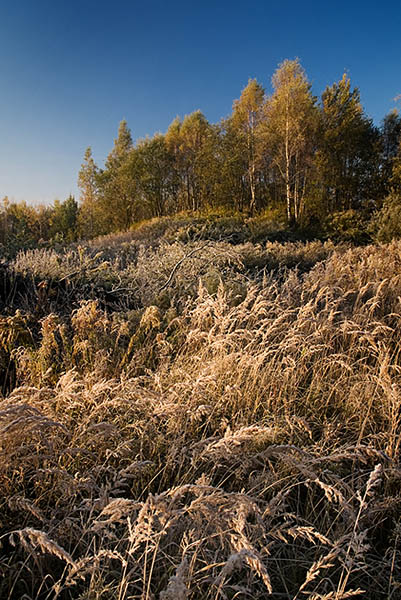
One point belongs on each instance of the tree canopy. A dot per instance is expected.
(315, 163)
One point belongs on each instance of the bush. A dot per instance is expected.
(348, 226)
(387, 222)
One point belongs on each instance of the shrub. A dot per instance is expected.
(387, 223)
(348, 226)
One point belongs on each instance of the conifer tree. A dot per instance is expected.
(118, 184)
(122, 146)
(88, 220)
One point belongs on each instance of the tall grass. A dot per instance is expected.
(235, 434)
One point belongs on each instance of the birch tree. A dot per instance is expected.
(290, 128)
(192, 143)
(246, 119)
(156, 183)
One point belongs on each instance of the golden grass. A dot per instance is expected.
(224, 446)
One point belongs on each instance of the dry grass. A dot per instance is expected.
(239, 439)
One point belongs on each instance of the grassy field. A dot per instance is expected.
(192, 415)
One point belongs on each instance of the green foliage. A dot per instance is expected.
(348, 226)
(24, 227)
(153, 166)
(277, 155)
(391, 141)
(117, 186)
(387, 223)
(246, 121)
(122, 147)
(192, 143)
(64, 220)
(347, 159)
(396, 170)
(290, 132)
(89, 218)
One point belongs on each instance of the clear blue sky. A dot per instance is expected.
(71, 70)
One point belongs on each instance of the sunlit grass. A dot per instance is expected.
(233, 434)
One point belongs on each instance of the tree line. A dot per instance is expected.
(316, 163)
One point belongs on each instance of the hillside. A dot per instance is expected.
(191, 412)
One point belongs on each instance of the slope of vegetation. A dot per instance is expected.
(195, 413)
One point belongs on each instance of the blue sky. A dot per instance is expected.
(70, 71)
